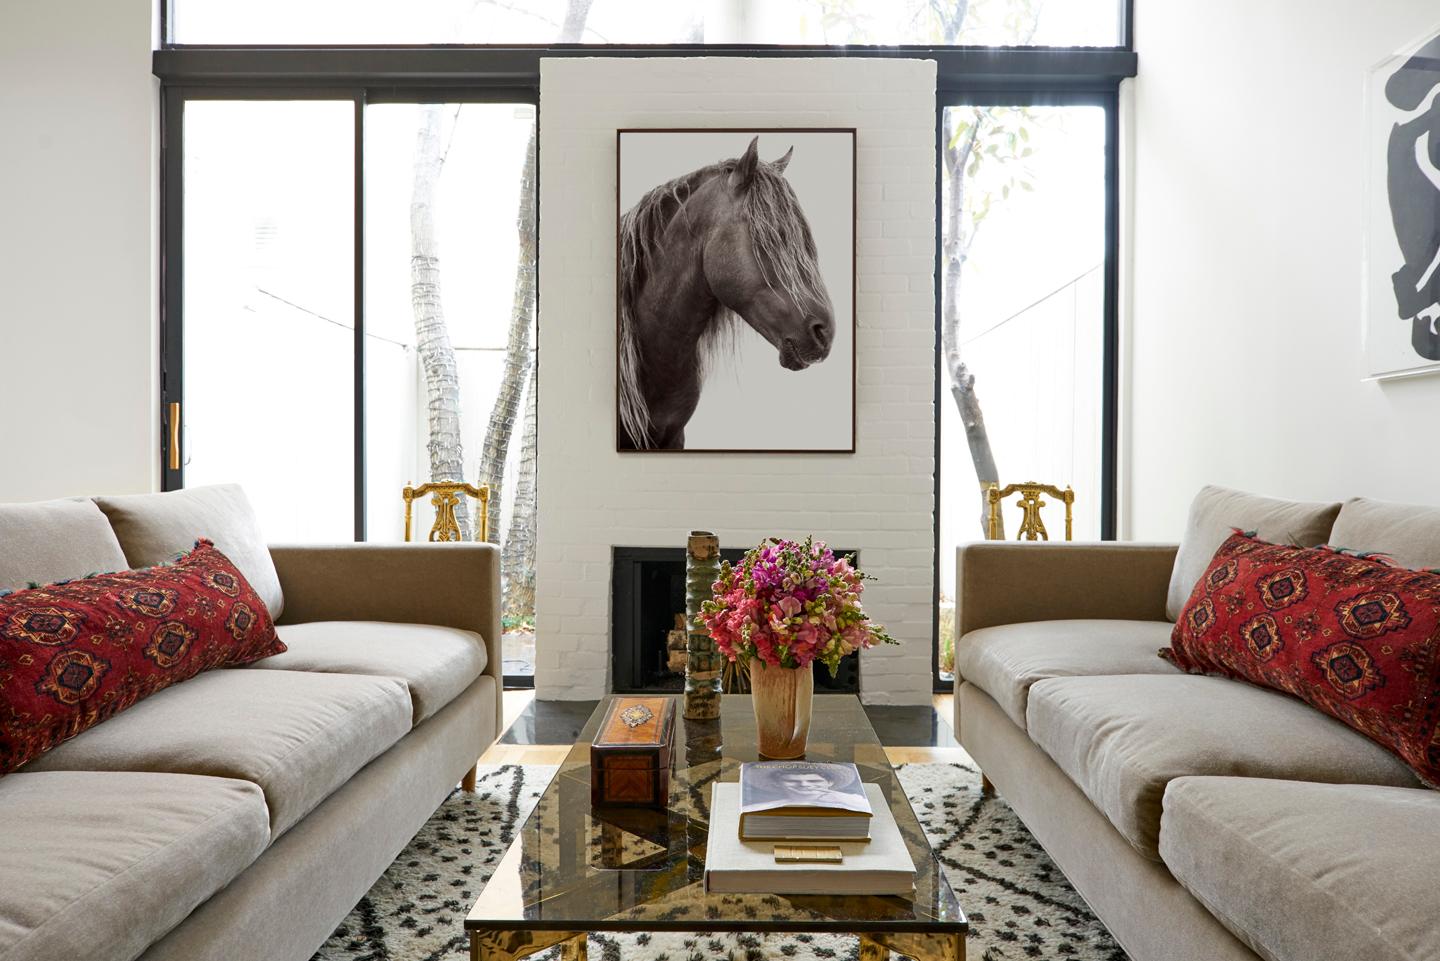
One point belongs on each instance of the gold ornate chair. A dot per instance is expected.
(445, 495)
(1031, 526)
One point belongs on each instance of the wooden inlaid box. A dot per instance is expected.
(632, 753)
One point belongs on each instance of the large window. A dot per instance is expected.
(350, 239)
(1073, 23)
(329, 346)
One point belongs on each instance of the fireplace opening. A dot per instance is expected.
(648, 603)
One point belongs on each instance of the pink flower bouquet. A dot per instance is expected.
(789, 603)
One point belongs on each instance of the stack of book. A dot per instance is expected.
(802, 827)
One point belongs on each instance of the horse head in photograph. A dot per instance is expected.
(723, 242)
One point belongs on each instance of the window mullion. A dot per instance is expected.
(358, 239)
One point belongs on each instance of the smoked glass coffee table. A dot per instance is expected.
(572, 870)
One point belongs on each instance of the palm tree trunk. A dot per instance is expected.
(518, 556)
(962, 382)
(432, 339)
(518, 355)
(517, 561)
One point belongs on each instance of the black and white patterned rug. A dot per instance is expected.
(1019, 904)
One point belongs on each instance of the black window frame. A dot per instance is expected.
(511, 74)
(174, 96)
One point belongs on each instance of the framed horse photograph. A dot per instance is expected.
(735, 290)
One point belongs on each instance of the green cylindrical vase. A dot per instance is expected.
(704, 665)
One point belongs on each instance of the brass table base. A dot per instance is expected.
(874, 946)
(511, 945)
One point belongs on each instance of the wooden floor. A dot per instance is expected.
(516, 701)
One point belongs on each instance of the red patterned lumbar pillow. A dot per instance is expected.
(1354, 636)
(75, 653)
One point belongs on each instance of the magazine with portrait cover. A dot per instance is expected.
(799, 800)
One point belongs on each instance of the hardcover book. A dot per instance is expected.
(736, 866)
(803, 800)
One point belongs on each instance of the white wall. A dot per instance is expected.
(878, 500)
(1245, 350)
(78, 173)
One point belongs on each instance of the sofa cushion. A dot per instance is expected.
(99, 865)
(153, 528)
(1310, 871)
(77, 653)
(297, 735)
(52, 541)
(1123, 739)
(1217, 511)
(1354, 637)
(1004, 661)
(1407, 533)
(436, 663)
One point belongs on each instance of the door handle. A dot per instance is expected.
(174, 435)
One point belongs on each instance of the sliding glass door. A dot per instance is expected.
(352, 311)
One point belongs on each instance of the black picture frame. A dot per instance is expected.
(853, 287)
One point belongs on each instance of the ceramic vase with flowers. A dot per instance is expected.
(785, 605)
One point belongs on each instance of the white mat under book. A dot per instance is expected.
(881, 865)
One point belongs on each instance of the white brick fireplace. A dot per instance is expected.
(878, 500)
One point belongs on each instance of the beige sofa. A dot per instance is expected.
(241, 814)
(1201, 818)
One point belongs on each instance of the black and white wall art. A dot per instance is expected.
(735, 290)
(1402, 269)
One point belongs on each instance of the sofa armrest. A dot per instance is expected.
(451, 585)
(1009, 582)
